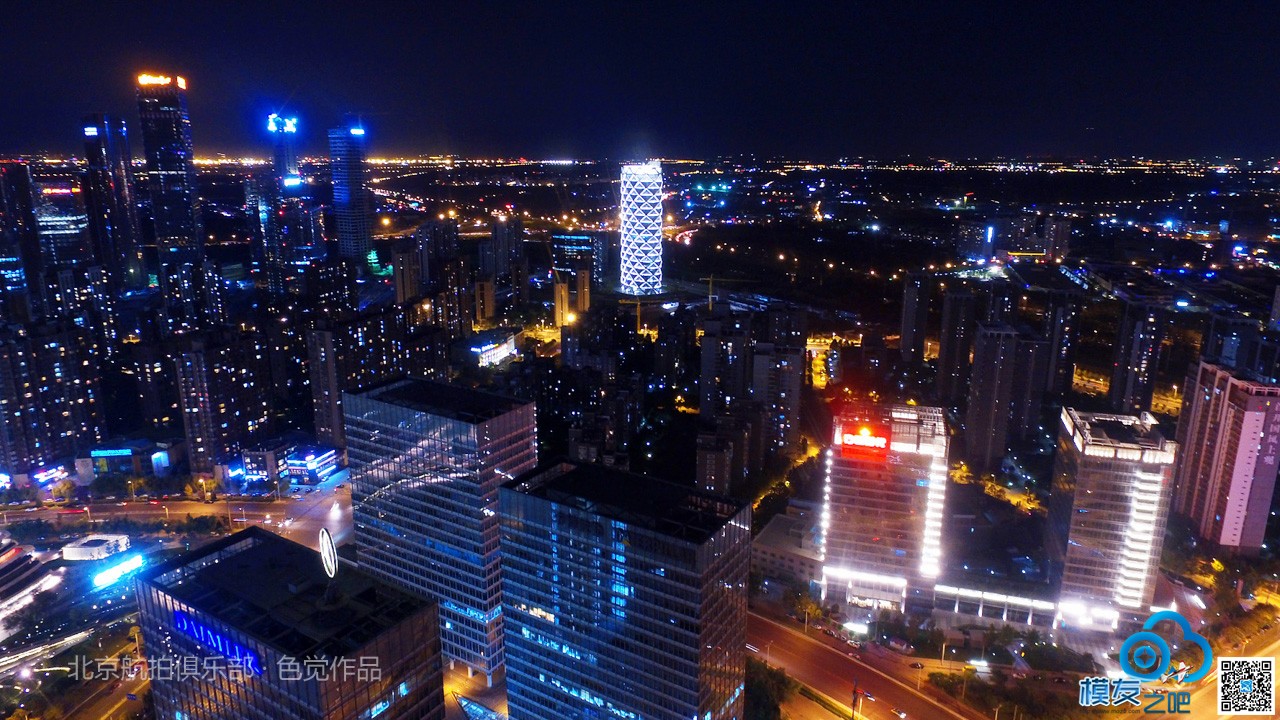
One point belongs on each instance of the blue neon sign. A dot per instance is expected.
(112, 575)
(216, 641)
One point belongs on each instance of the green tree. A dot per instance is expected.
(766, 689)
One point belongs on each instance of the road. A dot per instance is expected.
(328, 506)
(832, 673)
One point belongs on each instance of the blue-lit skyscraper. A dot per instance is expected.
(175, 205)
(284, 155)
(109, 201)
(427, 459)
(353, 208)
(641, 266)
(624, 596)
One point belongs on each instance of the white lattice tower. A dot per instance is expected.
(641, 253)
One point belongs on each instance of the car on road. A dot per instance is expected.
(900, 713)
(869, 696)
(916, 665)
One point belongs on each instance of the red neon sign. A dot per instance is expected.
(862, 440)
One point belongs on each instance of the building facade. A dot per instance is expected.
(886, 486)
(379, 647)
(353, 207)
(426, 462)
(625, 596)
(1229, 430)
(641, 251)
(1112, 483)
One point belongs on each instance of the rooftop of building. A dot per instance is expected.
(274, 590)
(664, 507)
(445, 399)
(794, 531)
(1121, 431)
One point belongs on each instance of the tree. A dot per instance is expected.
(961, 474)
(766, 689)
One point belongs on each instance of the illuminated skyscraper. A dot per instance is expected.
(1229, 432)
(624, 596)
(175, 204)
(915, 316)
(223, 386)
(886, 486)
(426, 461)
(109, 201)
(353, 208)
(1112, 482)
(284, 157)
(641, 266)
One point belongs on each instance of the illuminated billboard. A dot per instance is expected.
(862, 439)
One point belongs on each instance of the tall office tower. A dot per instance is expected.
(1061, 325)
(1229, 432)
(641, 254)
(452, 299)
(353, 355)
(959, 317)
(1005, 390)
(108, 193)
(564, 314)
(379, 647)
(604, 257)
(726, 363)
(62, 224)
(292, 242)
(50, 406)
(885, 489)
(284, 155)
(406, 271)
(352, 205)
(175, 205)
(426, 461)
(1112, 482)
(624, 596)
(1230, 340)
(1133, 374)
(776, 380)
(1057, 237)
(20, 237)
(915, 316)
(223, 391)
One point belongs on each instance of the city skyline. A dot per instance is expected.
(858, 82)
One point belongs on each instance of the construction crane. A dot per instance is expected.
(711, 287)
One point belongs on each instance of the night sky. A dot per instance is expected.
(637, 79)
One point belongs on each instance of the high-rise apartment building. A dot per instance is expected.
(1133, 374)
(223, 392)
(1229, 432)
(915, 316)
(50, 404)
(1112, 487)
(959, 319)
(641, 252)
(886, 485)
(1005, 392)
(623, 596)
(426, 461)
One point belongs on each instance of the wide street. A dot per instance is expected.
(833, 673)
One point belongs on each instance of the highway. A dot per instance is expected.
(831, 672)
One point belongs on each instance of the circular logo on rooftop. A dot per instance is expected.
(328, 553)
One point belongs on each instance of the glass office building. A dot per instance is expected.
(426, 461)
(624, 597)
(271, 635)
